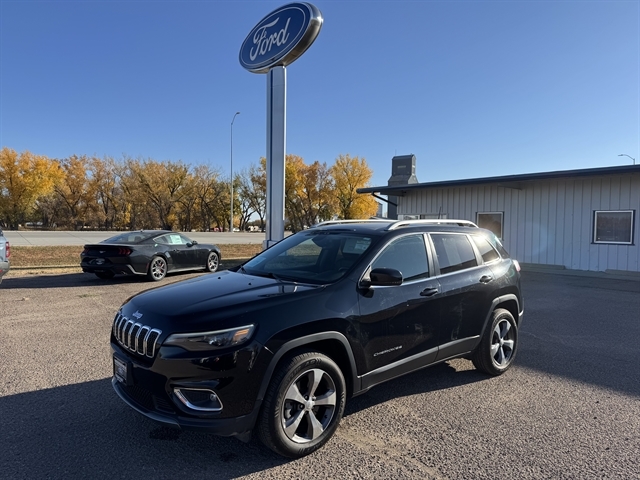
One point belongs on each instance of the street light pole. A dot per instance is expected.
(625, 155)
(231, 220)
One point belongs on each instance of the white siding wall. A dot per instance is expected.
(547, 221)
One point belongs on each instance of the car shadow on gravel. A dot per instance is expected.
(85, 431)
(441, 376)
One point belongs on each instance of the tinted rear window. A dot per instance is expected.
(454, 252)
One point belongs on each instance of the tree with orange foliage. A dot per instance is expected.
(308, 193)
(349, 174)
(23, 178)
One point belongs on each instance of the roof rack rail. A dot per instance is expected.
(340, 222)
(431, 221)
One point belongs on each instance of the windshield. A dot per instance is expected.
(311, 256)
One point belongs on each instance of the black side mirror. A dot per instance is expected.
(382, 277)
(386, 277)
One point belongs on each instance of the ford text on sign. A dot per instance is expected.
(280, 37)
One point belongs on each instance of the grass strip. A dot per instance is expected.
(66, 255)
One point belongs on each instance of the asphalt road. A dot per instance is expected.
(568, 409)
(40, 238)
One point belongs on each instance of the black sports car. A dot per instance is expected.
(153, 253)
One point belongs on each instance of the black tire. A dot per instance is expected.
(295, 426)
(105, 275)
(498, 345)
(157, 269)
(213, 262)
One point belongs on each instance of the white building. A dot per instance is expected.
(579, 219)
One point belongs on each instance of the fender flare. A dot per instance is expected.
(301, 342)
(496, 301)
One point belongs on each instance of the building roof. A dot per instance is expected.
(509, 181)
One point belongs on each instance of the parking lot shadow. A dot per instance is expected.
(584, 329)
(85, 431)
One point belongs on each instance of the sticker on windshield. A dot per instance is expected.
(356, 245)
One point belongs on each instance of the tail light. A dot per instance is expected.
(8, 249)
(124, 251)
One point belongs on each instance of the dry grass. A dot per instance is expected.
(69, 256)
(45, 256)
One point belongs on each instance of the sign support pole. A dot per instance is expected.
(276, 142)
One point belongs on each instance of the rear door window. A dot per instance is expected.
(454, 252)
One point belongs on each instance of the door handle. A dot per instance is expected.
(486, 278)
(428, 292)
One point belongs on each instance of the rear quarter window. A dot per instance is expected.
(487, 252)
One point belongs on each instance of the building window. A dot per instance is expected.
(491, 221)
(613, 226)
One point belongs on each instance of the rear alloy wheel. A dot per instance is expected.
(105, 275)
(303, 405)
(157, 269)
(498, 346)
(213, 261)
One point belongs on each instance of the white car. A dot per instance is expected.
(5, 253)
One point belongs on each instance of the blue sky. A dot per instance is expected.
(472, 88)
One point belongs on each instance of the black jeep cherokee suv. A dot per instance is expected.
(277, 345)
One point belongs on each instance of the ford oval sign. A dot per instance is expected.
(281, 37)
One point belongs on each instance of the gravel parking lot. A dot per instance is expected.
(569, 408)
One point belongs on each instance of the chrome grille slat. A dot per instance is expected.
(141, 347)
(135, 337)
(127, 328)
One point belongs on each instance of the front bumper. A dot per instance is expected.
(235, 377)
(225, 427)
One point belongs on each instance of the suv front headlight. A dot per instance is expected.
(211, 340)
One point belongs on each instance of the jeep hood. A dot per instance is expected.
(213, 295)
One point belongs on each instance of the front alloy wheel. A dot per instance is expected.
(303, 405)
(497, 348)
